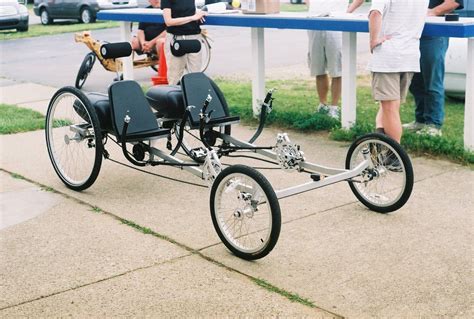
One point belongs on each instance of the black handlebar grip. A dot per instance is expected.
(115, 50)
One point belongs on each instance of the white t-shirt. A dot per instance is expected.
(403, 20)
(324, 7)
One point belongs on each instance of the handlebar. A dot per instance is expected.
(266, 108)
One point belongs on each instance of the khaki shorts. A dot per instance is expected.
(325, 53)
(391, 86)
(177, 65)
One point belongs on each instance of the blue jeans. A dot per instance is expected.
(428, 86)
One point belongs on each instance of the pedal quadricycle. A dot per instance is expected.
(194, 117)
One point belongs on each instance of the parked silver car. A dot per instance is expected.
(83, 10)
(13, 15)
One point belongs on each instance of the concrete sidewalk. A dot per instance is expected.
(77, 257)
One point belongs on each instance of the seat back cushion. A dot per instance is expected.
(196, 87)
(127, 97)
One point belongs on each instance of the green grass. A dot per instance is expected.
(295, 102)
(96, 209)
(289, 295)
(37, 30)
(17, 176)
(14, 119)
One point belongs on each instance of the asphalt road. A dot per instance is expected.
(55, 60)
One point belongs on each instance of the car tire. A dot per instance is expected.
(86, 16)
(45, 17)
(22, 29)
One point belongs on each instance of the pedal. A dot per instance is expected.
(316, 177)
(198, 152)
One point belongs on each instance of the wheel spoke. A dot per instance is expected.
(242, 214)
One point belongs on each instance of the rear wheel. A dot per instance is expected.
(245, 212)
(205, 54)
(73, 138)
(86, 15)
(45, 17)
(85, 69)
(388, 185)
(23, 28)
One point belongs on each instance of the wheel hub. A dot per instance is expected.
(238, 214)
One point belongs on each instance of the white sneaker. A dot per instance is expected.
(413, 126)
(334, 112)
(430, 130)
(322, 108)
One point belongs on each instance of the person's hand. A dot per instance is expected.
(146, 46)
(376, 43)
(199, 16)
(431, 13)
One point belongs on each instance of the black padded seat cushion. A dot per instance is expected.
(196, 87)
(126, 97)
(167, 100)
(100, 102)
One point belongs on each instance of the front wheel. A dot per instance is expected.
(86, 16)
(73, 138)
(45, 17)
(85, 69)
(245, 212)
(388, 185)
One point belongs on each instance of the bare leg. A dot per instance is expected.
(135, 44)
(336, 85)
(158, 44)
(322, 86)
(378, 118)
(389, 118)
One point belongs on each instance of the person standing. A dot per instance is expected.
(395, 28)
(150, 36)
(182, 22)
(324, 54)
(427, 86)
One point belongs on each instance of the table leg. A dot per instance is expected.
(125, 36)
(258, 67)
(349, 78)
(469, 101)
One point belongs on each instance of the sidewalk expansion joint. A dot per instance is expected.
(34, 101)
(94, 282)
(293, 297)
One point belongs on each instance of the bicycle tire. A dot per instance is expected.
(257, 197)
(74, 138)
(205, 54)
(392, 184)
(85, 69)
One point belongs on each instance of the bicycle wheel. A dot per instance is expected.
(85, 69)
(245, 212)
(74, 138)
(205, 55)
(388, 186)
